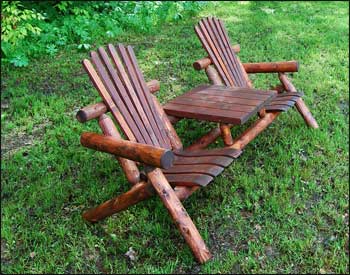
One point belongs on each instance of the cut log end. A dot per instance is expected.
(167, 159)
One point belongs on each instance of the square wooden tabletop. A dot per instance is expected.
(216, 103)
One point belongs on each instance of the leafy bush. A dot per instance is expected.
(33, 28)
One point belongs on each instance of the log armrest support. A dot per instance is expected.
(262, 67)
(147, 154)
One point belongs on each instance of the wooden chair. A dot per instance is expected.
(229, 71)
(150, 140)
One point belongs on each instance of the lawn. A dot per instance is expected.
(282, 207)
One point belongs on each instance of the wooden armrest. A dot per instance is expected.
(95, 110)
(206, 61)
(147, 154)
(272, 67)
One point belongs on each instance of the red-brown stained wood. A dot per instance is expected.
(221, 103)
(206, 169)
(93, 111)
(145, 98)
(215, 41)
(183, 192)
(189, 180)
(226, 152)
(107, 99)
(179, 215)
(205, 140)
(271, 67)
(144, 153)
(213, 76)
(128, 93)
(129, 167)
(172, 135)
(300, 105)
(202, 113)
(257, 127)
(220, 46)
(236, 70)
(139, 192)
(216, 103)
(114, 88)
(226, 134)
(257, 67)
(206, 61)
(222, 161)
(209, 47)
(153, 85)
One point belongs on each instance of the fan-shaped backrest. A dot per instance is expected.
(215, 40)
(118, 79)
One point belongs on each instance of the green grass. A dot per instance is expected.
(281, 207)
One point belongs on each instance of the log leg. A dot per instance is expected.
(300, 104)
(226, 134)
(137, 193)
(179, 215)
(129, 167)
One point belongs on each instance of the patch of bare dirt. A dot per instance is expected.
(14, 141)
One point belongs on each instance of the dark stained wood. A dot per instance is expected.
(144, 153)
(213, 76)
(168, 127)
(219, 104)
(208, 46)
(189, 180)
(223, 99)
(203, 63)
(206, 169)
(129, 167)
(108, 100)
(277, 107)
(216, 42)
(202, 113)
(300, 105)
(156, 120)
(140, 97)
(226, 152)
(91, 111)
(216, 102)
(257, 67)
(216, 160)
(257, 127)
(139, 192)
(205, 140)
(123, 106)
(272, 67)
(153, 86)
(226, 134)
(179, 215)
(231, 56)
(131, 94)
(96, 110)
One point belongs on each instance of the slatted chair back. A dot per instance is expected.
(118, 78)
(216, 42)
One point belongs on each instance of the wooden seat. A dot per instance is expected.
(150, 139)
(199, 167)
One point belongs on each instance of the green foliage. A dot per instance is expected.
(27, 33)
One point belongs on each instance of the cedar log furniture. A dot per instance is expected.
(229, 71)
(171, 171)
(150, 139)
